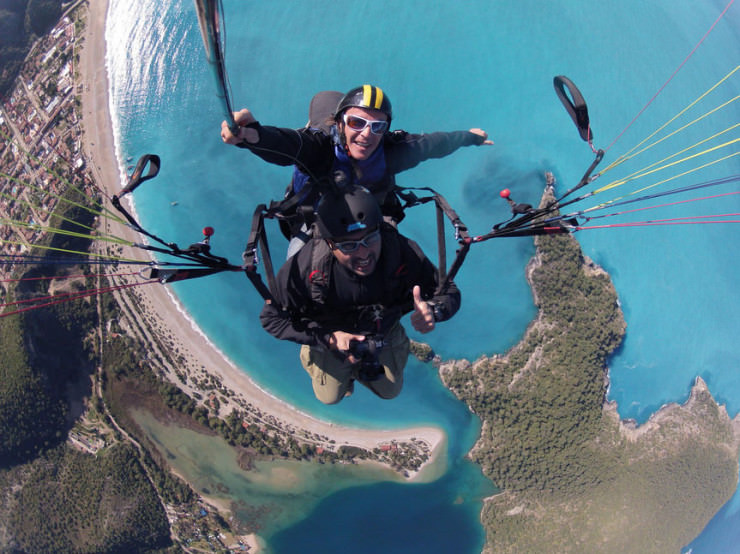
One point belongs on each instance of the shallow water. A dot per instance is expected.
(209, 464)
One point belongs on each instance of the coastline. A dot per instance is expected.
(160, 305)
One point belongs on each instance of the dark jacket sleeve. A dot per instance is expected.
(406, 150)
(310, 149)
(286, 318)
(446, 304)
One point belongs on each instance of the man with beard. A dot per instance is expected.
(342, 297)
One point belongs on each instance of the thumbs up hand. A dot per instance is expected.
(422, 318)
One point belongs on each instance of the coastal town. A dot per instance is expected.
(41, 139)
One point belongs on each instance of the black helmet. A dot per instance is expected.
(366, 96)
(342, 212)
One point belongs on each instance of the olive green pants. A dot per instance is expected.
(332, 378)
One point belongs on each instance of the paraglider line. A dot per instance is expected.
(68, 297)
(666, 205)
(657, 222)
(62, 277)
(721, 15)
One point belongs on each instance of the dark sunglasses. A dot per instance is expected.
(357, 123)
(349, 246)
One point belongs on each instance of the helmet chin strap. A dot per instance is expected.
(343, 140)
(340, 138)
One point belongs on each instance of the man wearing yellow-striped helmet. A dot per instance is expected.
(363, 116)
(347, 141)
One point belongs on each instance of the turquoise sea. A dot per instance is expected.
(448, 66)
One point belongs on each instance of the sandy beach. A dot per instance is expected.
(99, 146)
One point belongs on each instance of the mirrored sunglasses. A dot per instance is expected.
(349, 246)
(357, 123)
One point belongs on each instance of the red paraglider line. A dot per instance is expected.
(66, 297)
(656, 206)
(60, 277)
(674, 221)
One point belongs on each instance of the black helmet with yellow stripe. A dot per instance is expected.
(366, 96)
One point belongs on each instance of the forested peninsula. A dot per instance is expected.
(574, 478)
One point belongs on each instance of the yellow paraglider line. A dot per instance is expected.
(688, 172)
(629, 154)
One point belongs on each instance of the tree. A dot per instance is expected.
(11, 29)
(41, 15)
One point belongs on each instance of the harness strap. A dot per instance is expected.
(172, 275)
(250, 256)
(443, 209)
(441, 245)
(320, 272)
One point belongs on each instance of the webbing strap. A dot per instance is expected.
(257, 240)
(441, 245)
(443, 209)
(211, 23)
(181, 274)
(138, 176)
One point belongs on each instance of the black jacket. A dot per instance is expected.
(312, 151)
(317, 296)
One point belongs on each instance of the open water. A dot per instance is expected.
(447, 66)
